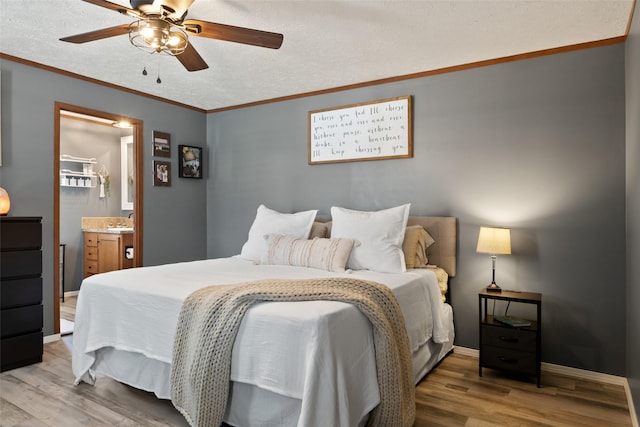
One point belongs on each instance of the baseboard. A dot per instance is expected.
(558, 369)
(50, 338)
(71, 294)
(632, 408)
(573, 372)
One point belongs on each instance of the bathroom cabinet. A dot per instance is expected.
(106, 252)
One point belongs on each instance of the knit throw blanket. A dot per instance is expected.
(209, 321)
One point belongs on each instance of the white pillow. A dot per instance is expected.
(325, 254)
(379, 233)
(268, 221)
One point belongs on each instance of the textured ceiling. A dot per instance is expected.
(327, 44)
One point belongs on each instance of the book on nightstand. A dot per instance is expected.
(512, 321)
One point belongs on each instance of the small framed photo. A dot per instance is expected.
(190, 161)
(161, 174)
(161, 144)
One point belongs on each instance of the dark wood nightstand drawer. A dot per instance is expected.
(508, 359)
(513, 338)
(20, 292)
(20, 351)
(21, 320)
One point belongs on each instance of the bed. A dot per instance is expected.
(305, 363)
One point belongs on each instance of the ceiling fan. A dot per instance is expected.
(161, 27)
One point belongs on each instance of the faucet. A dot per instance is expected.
(131, 215)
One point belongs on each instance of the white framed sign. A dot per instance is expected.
(369, 131)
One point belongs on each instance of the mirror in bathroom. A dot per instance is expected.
(127, 170)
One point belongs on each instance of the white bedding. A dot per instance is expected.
(319, 353)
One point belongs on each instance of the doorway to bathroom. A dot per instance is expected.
(97, 185)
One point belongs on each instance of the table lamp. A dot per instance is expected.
(5, 203)
(494, 241)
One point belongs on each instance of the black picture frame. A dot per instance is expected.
(189, 161)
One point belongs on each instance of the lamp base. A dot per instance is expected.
(493, 288)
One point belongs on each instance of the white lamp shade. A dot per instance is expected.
(494, 241)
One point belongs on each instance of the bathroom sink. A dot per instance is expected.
(120, 228)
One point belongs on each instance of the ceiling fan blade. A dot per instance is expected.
(98, 34)
(233, 34)
(191, 59)
(113, 6)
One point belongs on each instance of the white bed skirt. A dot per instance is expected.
(248, 405)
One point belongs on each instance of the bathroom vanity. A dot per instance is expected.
(108, 244)
(106, 250)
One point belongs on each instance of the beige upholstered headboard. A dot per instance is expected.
(443, 230)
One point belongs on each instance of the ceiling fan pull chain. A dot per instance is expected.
(158, 80)
(144, 70)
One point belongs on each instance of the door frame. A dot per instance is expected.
(137, 125)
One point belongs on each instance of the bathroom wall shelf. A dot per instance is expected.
(84, 178)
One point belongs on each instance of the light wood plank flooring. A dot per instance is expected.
(451, 395)
(68, 308)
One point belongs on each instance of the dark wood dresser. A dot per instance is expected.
(20, 291)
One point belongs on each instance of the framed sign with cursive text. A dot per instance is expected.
(369, 131)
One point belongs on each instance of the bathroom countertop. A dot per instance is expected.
(107, 224)
(114, 230)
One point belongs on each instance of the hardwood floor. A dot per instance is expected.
(454, 395)
(451, 395)
(68, 308)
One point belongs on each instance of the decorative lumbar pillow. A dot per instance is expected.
(268, 221)
(325, 254)
(414, 247)
(380, 234)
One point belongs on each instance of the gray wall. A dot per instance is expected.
(537, 145)
(174, 217)
(81, 138)
(633, 207)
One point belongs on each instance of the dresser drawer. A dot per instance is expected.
(90, 239)
(508, 359)
(513, 338)
(90, 267)
(16, 234)
(91, 253)
(20, 292)
(20, 351)
(20, 320)
(20, 263)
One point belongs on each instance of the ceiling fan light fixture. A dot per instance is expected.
(158, 36)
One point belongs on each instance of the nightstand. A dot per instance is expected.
(508, 348)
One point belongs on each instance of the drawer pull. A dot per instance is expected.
(509, 339)
(508, 360)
